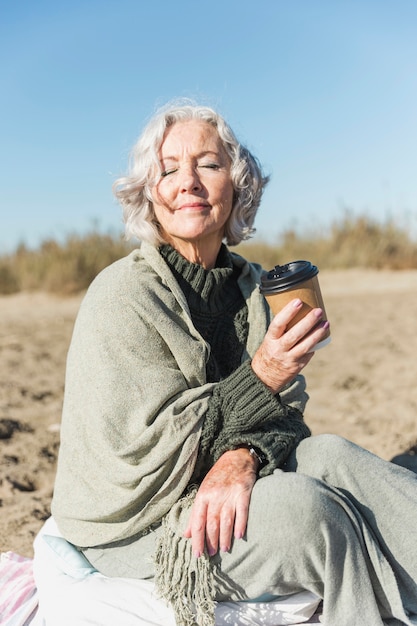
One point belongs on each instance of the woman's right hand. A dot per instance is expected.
(283, 354)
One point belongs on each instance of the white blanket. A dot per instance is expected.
(72, 593)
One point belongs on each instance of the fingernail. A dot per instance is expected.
(318, 313)
(325, 325)
(197, 554)
(212, 551)
(225, 549)
(297, 302)
(238, 535)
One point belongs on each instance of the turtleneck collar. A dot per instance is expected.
(202, 287)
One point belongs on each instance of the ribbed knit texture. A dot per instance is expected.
(217, 308)
(242, 410)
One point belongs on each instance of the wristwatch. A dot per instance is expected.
(256, 453)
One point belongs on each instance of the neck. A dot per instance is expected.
(201, 252)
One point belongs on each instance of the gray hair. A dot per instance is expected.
(134, 190)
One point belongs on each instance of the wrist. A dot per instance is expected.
(256, 454)
(264, 375)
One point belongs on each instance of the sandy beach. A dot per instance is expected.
(362, 386)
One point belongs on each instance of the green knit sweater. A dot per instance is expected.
(219, 313)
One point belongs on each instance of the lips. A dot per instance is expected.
(194, 205)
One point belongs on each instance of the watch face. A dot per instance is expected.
(255, 452)
(258, 455)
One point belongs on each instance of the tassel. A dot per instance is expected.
(185, 582)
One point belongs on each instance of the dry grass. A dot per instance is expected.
(349, 242)
(69, 267)
(63, 268)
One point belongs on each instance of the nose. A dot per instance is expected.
(189, 179)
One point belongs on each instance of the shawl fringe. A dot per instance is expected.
(185, 582)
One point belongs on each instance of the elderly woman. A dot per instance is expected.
(184, 455)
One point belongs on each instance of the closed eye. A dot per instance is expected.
(168, 172)
(210, 166)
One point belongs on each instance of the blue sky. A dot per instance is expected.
(324, 92)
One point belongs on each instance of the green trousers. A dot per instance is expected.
(336, 520)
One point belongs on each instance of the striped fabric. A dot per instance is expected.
(18, 595)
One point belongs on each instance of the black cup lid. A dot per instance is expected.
(283, 277)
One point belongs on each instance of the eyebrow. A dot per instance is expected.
(197, 156)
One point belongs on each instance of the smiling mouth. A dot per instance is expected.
(194, 206)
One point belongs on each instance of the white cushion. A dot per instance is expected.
(71, 593)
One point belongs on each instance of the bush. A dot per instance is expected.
(69, 267)
(60, 268)
(8, 280)
(349, 242)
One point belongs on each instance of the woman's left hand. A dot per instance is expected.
(220, 510)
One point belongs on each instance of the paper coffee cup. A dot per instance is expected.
(297, 279)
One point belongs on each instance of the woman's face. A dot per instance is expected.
(193, 197)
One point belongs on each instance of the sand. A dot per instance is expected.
(362, 386)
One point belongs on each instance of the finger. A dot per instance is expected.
(187, 531)
(196, 529)
(241, 519)
(316, 335)
(226, 529)
(303, 327)
(212, 532)
(283, 317)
